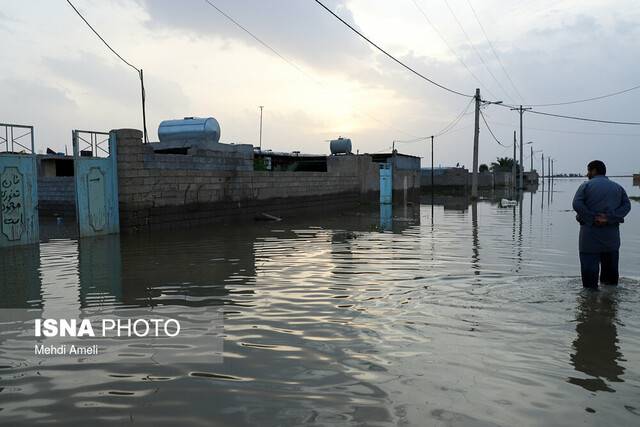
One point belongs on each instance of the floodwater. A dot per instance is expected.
(474, 316)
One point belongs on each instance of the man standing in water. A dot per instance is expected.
(601, 206)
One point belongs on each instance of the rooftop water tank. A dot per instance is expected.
(340, 146)
(190, 129)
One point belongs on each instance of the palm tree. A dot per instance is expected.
(504, 164)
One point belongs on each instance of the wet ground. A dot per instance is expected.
(449, 314)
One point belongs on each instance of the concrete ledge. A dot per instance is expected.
(126, 133)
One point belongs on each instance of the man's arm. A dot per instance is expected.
(585, 215)
(618, 214)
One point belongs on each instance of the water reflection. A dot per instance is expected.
(20, 281)
(328, 320)
(100, 270)
(186, 267)
(475, 244)
(596, 347)
(386, 216)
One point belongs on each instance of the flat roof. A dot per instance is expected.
(387, 155)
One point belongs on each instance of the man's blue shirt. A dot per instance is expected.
(600, 195)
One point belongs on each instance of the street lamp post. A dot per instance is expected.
(261, 107)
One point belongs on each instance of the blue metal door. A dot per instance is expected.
(18, 186)
(386, 186)
(96, 183)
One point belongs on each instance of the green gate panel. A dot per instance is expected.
(18, 199)
(386, 187)
(96, 182)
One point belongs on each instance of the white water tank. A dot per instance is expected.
(340, 146)
(192, 129)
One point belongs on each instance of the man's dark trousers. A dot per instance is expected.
(604, 264)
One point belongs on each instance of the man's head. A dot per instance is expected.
(595, 168)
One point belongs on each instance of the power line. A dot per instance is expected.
(585, 119)
(293, 64)
(444, 40)
(448, 128)
(410, 141)
(103, 40)
(490, 131)
(595, 98)
(563, 131)
(139, 71)
(256, 38)
(494, 51)
(455, 121)
(474, 48)
(393, 58)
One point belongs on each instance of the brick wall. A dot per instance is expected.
(172, 189)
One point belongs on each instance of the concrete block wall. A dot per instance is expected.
(485, 180)
(360, 166)
(451, 177)
(458, 177)
(406, 185)
(173, 189)
(56, 195)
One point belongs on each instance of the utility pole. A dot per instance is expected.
(549, 167)
(144, 112)
(513, 166)
(432, 183)
(476, 136)
(553, 163)
(261, 107)
(542, 161)
(531, 158)
(521, 110)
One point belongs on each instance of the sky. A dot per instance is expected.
(326, 82)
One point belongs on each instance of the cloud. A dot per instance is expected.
(300, 29)
(40, 105)
(197, 62)
(94, 74)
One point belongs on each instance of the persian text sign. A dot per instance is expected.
(12, 203)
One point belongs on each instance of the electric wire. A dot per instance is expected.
(455, 121)
(595, 98)
(562, 116)
(448, 128)
(504, 70)
(453, 52)
(564, 131)
(585, 119)
(491, 132)
(455, 17)
(390, 56)
(293, 64)
(102, 39)
(138, 70)
(256, 38)
(410, 141)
